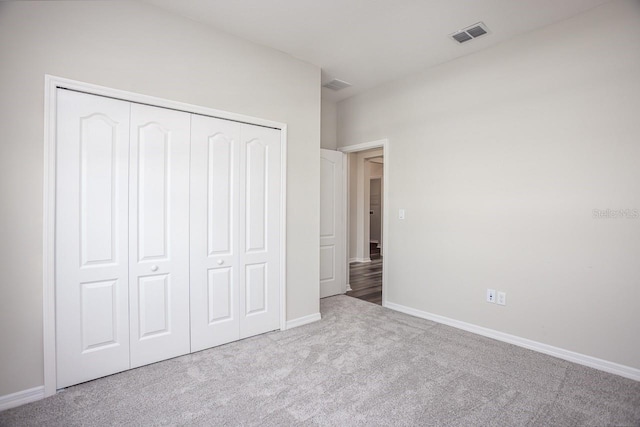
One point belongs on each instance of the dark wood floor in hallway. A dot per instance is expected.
(365, 279)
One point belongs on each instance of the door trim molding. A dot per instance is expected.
(347, 217)
(52, 84)
(380, 143)
(384, 144)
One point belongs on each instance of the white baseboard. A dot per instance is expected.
(304, 320)
(352, 260)
(571, 356)
(348, 288)
(21, 397)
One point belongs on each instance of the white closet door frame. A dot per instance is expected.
(52, 84)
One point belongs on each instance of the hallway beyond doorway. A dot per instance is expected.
(365, 278)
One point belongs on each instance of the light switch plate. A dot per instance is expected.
(401, 214)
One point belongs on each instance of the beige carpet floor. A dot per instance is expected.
(360, 365)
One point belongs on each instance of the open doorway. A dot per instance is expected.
(365, 225)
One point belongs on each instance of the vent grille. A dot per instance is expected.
(462, 37)
(471, 32)
(476, 31)
(336, 84)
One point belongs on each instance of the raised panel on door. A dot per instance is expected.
(159, 234)
(92, 320)
(332, 230)
(327, 263)
(259, 230)
(214, 232)
(153, 303)
(220, 299)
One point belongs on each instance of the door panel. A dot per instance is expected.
(256, 194)
(256, 288)
(154, 305)
(92, 312)
(98, 311)
(214, 232)
(159, 234)
(221, 178)
(220, 291)
(332, 230)
(259, 230)
(327, 263)
(153, 182)
(97, 195)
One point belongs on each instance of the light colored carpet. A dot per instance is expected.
(360, 365)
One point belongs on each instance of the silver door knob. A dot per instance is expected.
(154, 268)
(220, 261)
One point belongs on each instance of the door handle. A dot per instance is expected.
(220, 261)
(154, 268)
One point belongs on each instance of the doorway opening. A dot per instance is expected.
(365, 224)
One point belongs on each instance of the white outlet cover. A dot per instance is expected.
(502, 298)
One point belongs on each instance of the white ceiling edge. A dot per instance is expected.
(371, 43)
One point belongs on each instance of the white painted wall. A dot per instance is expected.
(329, 124)
(139, 48)
(499, 159)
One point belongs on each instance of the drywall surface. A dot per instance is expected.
(135, 47)
(329, 125)
(500, 159)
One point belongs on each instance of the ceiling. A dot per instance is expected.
(369, 42)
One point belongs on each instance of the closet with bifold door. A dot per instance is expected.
(167, 234)
(234, 235)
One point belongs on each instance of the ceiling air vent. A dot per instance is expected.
(336, 84)
(470, 33)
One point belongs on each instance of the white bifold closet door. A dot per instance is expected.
(92, 216)
(167, 234)
(235, 231)
(122, 236)
(158, 234)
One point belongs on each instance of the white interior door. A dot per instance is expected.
(158, 234)
(215, 297)
(259, 237)
(92, 310)
(332, 229)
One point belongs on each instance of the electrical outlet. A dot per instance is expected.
(491, 295)
(502, 298)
